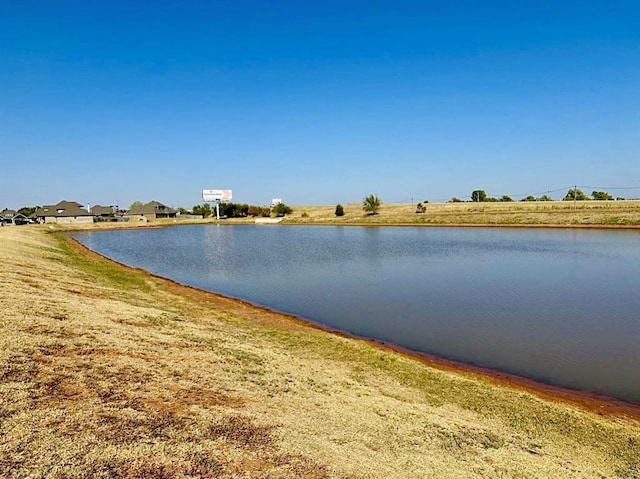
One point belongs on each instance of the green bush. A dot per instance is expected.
(339, 210)
(281, 209)
(601, 195)
(371, 204)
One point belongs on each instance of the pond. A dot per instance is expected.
(561, 306)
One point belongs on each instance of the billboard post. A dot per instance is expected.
(209, 196)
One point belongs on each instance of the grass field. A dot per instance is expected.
(609, 214)
(109, 372)
(561, 213)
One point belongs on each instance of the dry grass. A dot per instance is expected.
(604, 213)
(110, 372)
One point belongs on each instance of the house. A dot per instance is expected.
(65, 212)
(7, 216)
(107, 213)
(102, 211)
(20, 219)
(151, 211)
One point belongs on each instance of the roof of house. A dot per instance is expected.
(101, 210)
(64, 204)
(151, 208)
(7, 213)
(62, 209)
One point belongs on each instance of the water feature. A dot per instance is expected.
(559, 306)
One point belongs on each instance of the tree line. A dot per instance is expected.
(371, 203)
(238, 210)
(574, 194)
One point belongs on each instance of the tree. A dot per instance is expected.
(281, 209)
(371, 204)
(455, 200)
(228, 210)
(601, 195)
(575, 194)
(529, 198)
(136, 203)
(260, 211)
(478, 196)
(183, 211)
(28, 210)
(339, 210)
(505, 198)
(544, 198)
(204, 210)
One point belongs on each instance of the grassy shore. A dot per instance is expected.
(110, 372)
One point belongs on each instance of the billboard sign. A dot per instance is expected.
(216, 195)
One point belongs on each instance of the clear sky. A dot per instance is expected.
(109, 102)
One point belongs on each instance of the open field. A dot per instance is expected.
(561, 213)
(608, 214)
(110, 372)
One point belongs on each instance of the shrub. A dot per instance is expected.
(339, 210)
(281, 209)
(371, 204)
(258, 211)
(601, 195)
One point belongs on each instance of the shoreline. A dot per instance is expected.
(70, 229)
(110, 370)
(597, 403)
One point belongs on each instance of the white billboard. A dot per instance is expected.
(216, 195)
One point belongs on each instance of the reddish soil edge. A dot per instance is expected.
(599, 404)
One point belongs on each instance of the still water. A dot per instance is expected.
(559, 306)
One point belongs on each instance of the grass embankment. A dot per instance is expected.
(110, 372)
(549, 213)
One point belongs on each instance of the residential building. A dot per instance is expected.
(7, 216)
(65, 212)
(151, 211)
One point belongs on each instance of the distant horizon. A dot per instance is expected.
(414, 200)
(317, 103)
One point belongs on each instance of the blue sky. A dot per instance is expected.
(316, 102)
